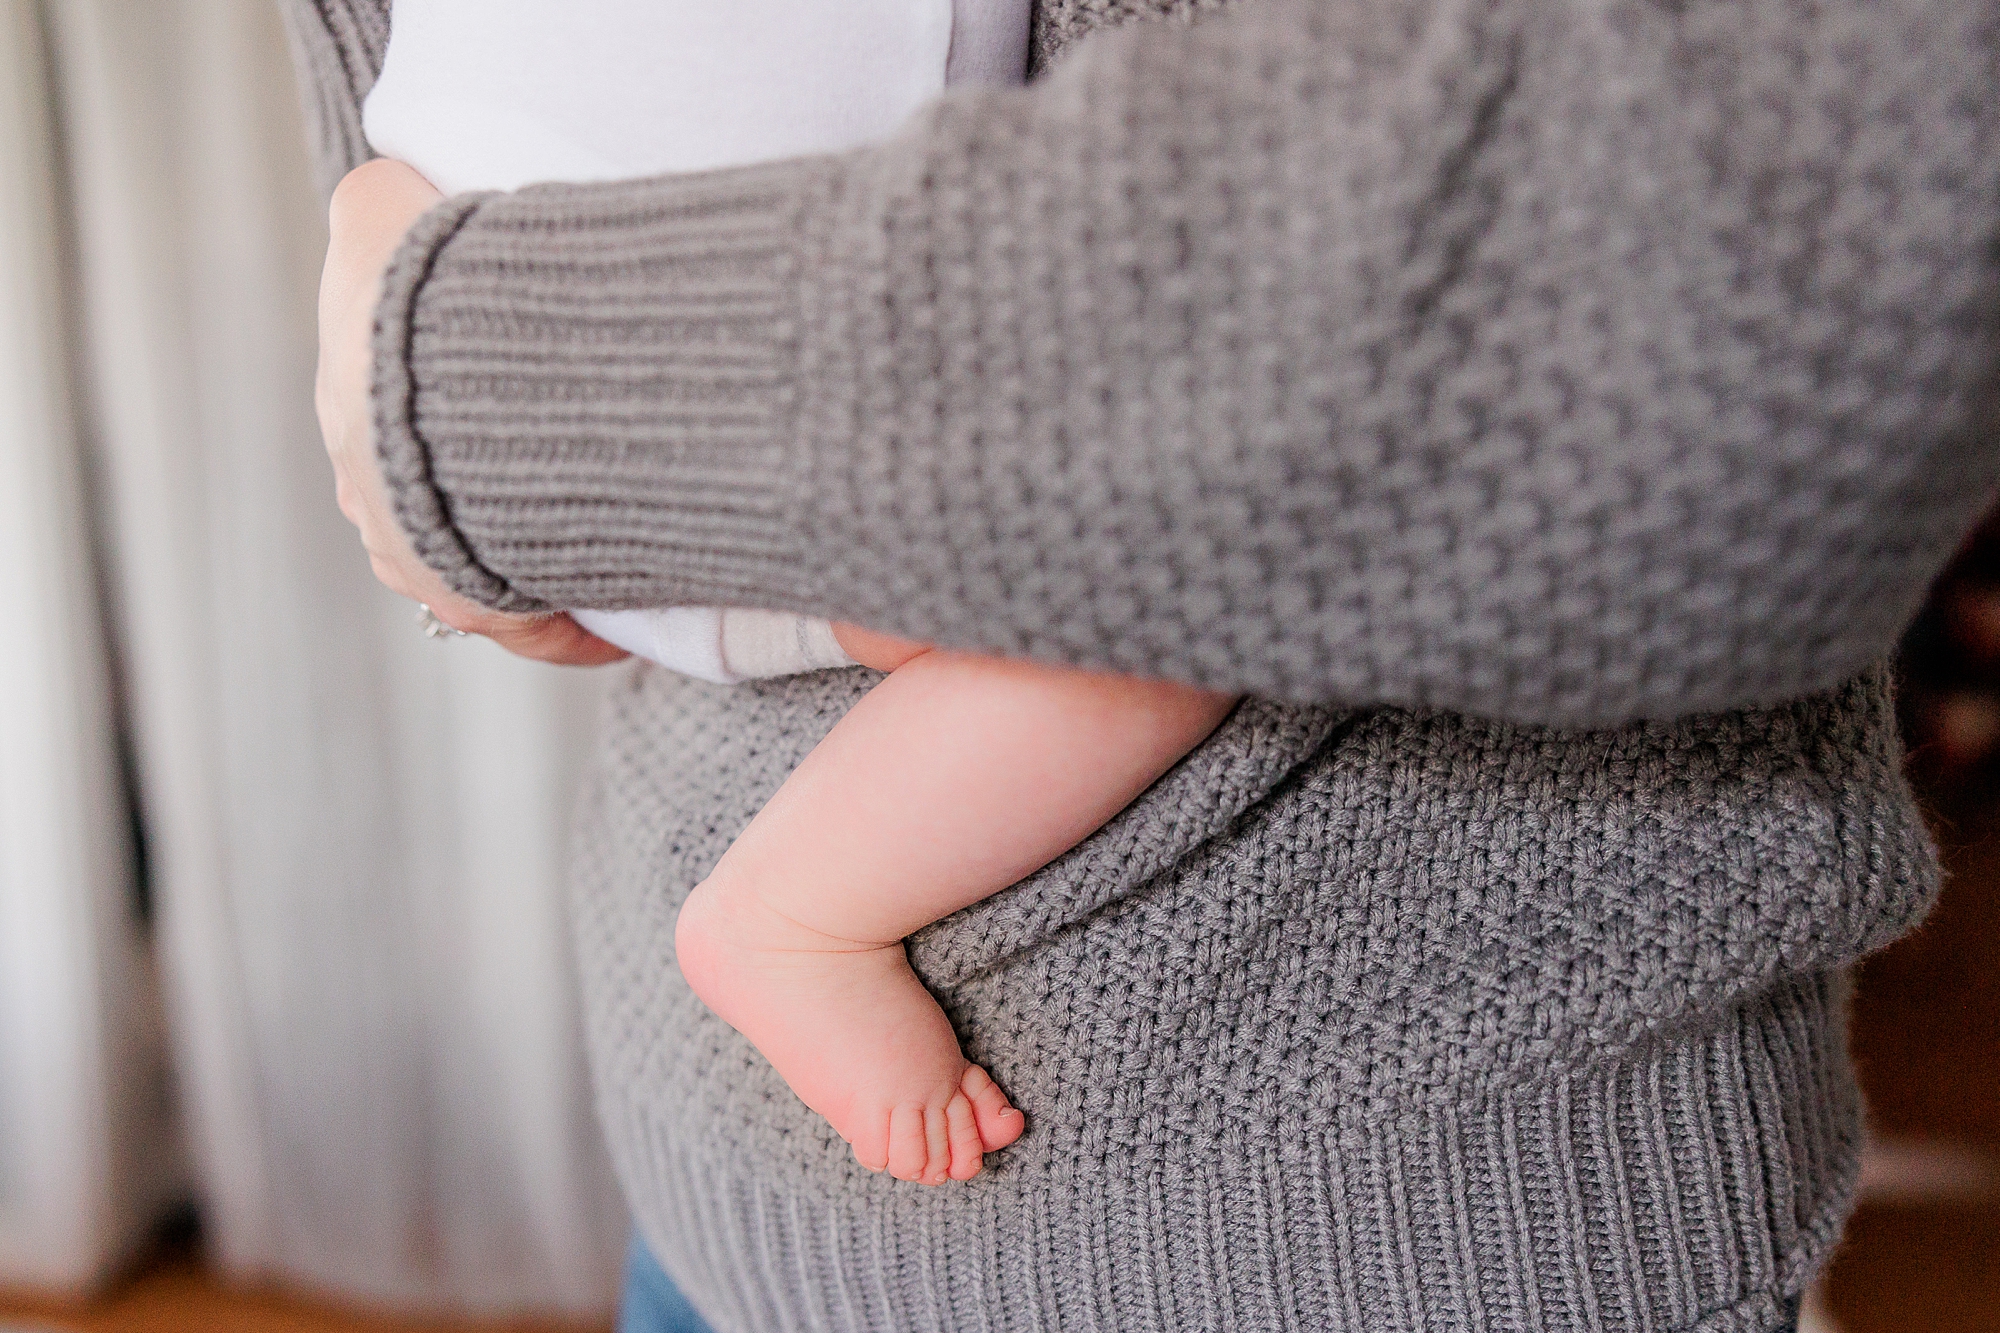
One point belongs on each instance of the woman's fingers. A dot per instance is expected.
(556, 639)
(553, 638)
(372, 210)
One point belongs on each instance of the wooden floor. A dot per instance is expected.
(174, 1294)
(1923, 1254)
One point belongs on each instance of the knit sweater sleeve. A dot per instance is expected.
(1566, 361)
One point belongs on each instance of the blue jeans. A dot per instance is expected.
(652, 1303)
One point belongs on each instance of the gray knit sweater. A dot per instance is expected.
(1549, 409)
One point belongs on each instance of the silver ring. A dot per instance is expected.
(433, 628)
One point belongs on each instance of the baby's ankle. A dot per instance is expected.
(726, 921)
(849, 1027)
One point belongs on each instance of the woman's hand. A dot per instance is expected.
(372, 209)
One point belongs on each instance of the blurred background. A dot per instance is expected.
(287, 1030)
(281, 924)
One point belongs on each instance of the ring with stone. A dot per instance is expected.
(433, 628)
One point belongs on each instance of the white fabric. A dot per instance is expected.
(497, 94)
(88, 1156)
(687, 639)
(357, 833)
(989, 42)
(772, 643)
(724, 645)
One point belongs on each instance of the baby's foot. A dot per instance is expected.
(853, 1031)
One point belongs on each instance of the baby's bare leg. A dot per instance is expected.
(952, 779)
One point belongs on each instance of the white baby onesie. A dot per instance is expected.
(497, 94)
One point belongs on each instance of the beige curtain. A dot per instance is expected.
(86, 1140)
(356, 834)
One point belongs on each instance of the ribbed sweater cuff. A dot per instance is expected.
(581, 396)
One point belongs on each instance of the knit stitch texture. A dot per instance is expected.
(1565, 362)
(1525, 398)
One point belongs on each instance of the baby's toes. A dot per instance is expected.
(962, 1127)
(871, 1147)
(909, 1143)
(999, 1123)
(937, 1133)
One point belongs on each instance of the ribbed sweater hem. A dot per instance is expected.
(1695, 1186)
(653, 410)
